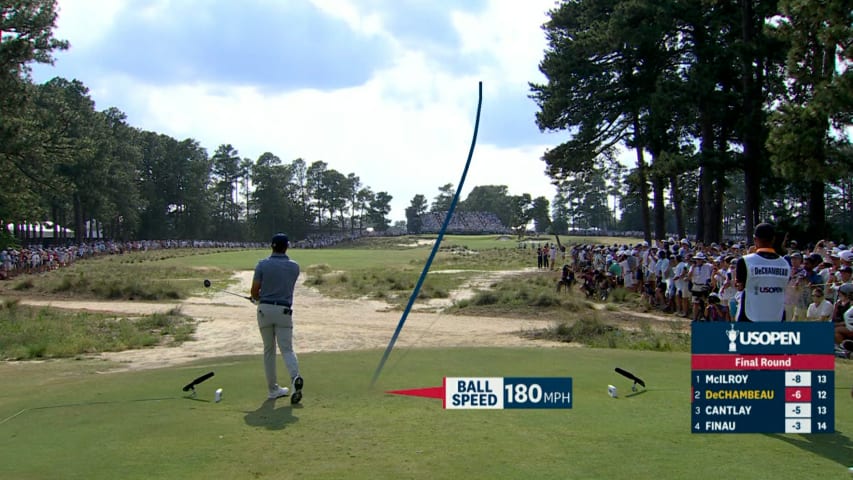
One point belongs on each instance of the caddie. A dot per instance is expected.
(762, 277)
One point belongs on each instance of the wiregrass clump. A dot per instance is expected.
(133, 276)
(129, 283)
(519, 293)
(591, 331)
(494, 258)
(389, 284)
(33, 333)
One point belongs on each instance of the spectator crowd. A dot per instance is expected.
(36, 258)
(326, 240)
(463, 222)
(698, 281)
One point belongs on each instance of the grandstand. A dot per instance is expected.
(463, 223)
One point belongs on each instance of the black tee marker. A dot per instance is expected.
(630, 376)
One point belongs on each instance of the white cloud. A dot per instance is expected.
(510, 33)
(349, 12)
(406, 131)
(84, 22)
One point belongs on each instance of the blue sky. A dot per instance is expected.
(381, 88)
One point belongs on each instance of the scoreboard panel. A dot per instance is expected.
(762, 377)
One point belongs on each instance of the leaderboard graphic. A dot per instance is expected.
(762, 377)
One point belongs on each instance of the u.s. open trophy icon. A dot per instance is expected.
(732, 334)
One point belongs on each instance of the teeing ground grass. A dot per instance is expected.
(63, 419)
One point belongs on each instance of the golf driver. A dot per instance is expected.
(207, 285)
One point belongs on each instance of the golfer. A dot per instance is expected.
(762, 277)
(272, 289)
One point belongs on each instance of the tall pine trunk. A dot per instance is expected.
(704, 224)
(675, 190)
(817, 209)
(754, 130)
(660, 209)
(642, 179)
(79, 226)
(817, 189)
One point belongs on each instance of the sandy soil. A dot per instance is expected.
(227, 326)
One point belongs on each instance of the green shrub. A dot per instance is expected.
(10, 304)
(318, 269)
(66, 283)
(590, 330)
(546, 299)
(619, 295)
(485, 298)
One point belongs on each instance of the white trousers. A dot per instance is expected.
(277, 328)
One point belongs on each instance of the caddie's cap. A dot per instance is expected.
(280, 240)
(764, 231)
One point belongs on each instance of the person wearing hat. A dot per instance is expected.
(639, 271)
(700, 276)
(5, 263)
(726, 283)
(825, 271)
(845, 277)
(845, 257)
(567, 278)
(679, 278)
(762, 277)
(811, 264)
(795, 287)
(272, 289)
(629, 269)
(715, 311)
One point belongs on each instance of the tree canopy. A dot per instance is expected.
(700, 91)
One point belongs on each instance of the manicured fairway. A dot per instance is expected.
(63, 419)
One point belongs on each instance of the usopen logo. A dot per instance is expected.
(775, 290)
(760, 338)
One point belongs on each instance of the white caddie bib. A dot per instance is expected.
(764, 292)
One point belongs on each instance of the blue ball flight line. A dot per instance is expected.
(437, 243)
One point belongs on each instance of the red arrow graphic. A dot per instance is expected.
(426, 392)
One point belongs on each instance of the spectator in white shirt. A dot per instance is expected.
(820, 310)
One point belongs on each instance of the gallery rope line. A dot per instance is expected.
(435, 246)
